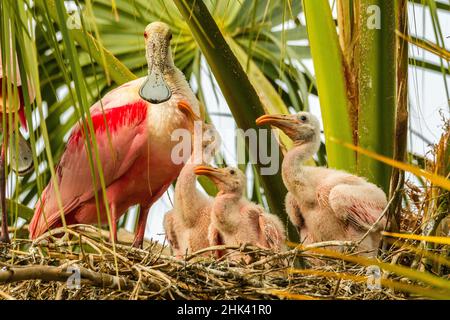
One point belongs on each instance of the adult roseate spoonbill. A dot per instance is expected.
(137, 166)
(187, 224)
(238, 220)
(22, 167)
(325, 204)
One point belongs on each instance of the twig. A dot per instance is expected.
(336, 289)
(6, 296)
(222, 247)
(49, 273)
(280, 255)
(333, 243)
(146, 274)
(302, 248)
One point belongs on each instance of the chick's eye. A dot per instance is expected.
(145, 35)
(303, 118)
(232, 172)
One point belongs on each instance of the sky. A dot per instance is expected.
(427, 98)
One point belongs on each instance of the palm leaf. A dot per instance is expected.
(327, 58)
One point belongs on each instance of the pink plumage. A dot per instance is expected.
(135, 157)
(234, 219)
(134, 146)
(326, 204)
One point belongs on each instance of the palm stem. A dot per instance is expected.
(401, 118)
(240, 95)
(331, 82)
(4, 236)
(377, 87)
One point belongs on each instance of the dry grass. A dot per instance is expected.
(39, 271)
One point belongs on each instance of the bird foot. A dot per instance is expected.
(137, 243)
(4, 238)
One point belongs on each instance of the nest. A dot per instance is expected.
(82, 264)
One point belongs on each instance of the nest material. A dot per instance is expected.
(45, 269)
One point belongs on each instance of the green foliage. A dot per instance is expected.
(331, 82)
(377, 88)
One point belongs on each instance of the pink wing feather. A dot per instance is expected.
(360, 205)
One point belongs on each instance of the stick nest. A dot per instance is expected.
(47, 269)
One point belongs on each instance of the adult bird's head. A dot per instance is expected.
(157, 36)
(302, 127)
(227, 180)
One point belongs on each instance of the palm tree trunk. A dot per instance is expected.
(401, 119)
(240, 95)
(376, 59)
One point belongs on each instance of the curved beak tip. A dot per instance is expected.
(186, 109)
(270, 119)
(262, 120)
(204, 171)
(276, 120)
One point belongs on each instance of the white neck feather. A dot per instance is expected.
(292, 167)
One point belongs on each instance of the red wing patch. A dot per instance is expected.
(112, 119)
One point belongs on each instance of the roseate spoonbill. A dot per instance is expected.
(20, 164)
(136, 154)
(325, 204)
(238, 220)
(13, 75)
(187, 224)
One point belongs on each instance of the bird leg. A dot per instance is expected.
(114, 218)
(4, 236)
(142, 222)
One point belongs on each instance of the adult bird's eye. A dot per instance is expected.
(145, 35)
(303, 118)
